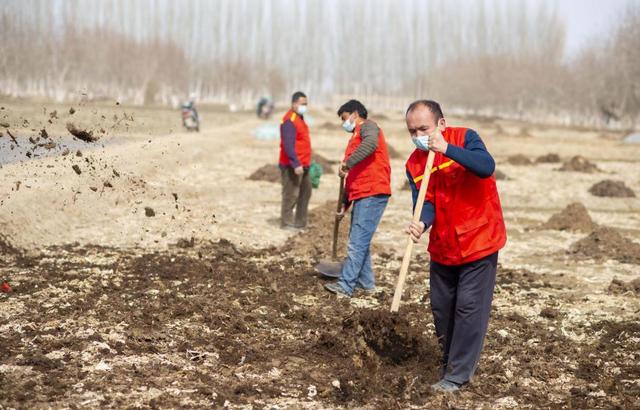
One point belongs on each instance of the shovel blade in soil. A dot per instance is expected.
(329, 268)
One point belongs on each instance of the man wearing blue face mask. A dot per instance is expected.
(294, 162)
(367, 189)
(463, 210)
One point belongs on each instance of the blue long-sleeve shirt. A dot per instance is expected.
(473, 156)
(288, 134)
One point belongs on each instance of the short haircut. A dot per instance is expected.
(433, 106)
(353, 106)
(297, 95)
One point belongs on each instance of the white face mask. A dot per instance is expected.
(302, 109)
(349, 126)
(421, 142)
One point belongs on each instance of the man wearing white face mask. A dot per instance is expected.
(367, 188)
(295, 160)
(463, 209)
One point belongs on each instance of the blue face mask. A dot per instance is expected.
(421, 142)
(349, 126)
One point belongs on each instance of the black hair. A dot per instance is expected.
(433, 106)
(353, 106)
(297, 95)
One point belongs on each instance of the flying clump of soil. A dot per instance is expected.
(548, 158)
(606, 243)
(612, 189)
(579, 164)
(574, 217)
(80, 133)
(519, 159)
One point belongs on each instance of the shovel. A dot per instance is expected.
(332, 268)
(404, 268)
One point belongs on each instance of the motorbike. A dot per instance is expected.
(190, 119)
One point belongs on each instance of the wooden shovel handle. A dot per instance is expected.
(336, 224)
(404, 268)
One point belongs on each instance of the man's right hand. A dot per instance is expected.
(298, 170)
(415, 230)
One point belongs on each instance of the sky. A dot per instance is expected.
(587, 19)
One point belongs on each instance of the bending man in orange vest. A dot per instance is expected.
(463, 209)
(367, 187)
(295, 159)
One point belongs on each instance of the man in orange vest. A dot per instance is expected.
(463, 209)
(367, 188)
(294, 162)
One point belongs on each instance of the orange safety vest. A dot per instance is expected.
(372, 175)
(303, 140)
(468, 221)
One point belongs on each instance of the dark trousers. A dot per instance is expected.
(296, 192)
(461, 303)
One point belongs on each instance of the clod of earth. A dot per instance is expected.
(149, 212)
(107, 184)
(548, 158)
(4, 124)
(575, 217)
(579, 164)
(618, 287)
(76, 168)
(84, 135)
(612, 189)
(519, 159)
(606, 243)
(44, 134)
(72, 111)
(53, 114)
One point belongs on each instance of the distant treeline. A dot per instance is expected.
(492, 58)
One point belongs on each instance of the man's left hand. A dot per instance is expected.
(437, 143)
(343, 171)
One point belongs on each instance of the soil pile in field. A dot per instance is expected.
(393, 153)
(607, 243)
(612, 189)
(326, 164)
(519, 159)
(618, 287)
(379, 350)
(579, 164)
(574, 217)
(267, 172)
(330, 126)
(548, 158)
(500, 176)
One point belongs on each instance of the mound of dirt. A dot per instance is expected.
(548, 158)
(612, 189)
(326, 164)
(500, 176)
(607, 243)
(267, 172)
(579, 164)
(519, 159)
(329, 126)
(393, 153)
(6, 248)
(574, 217)
(84, 135)
(618, 287)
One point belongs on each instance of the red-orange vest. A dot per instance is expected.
(372, 175)
(303, 141)
(468, 221)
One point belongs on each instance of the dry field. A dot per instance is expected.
(148, 271)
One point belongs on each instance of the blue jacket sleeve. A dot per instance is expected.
(428, 213)
(288, 135)
(474, 156)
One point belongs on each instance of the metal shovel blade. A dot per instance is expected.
(329, 268)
